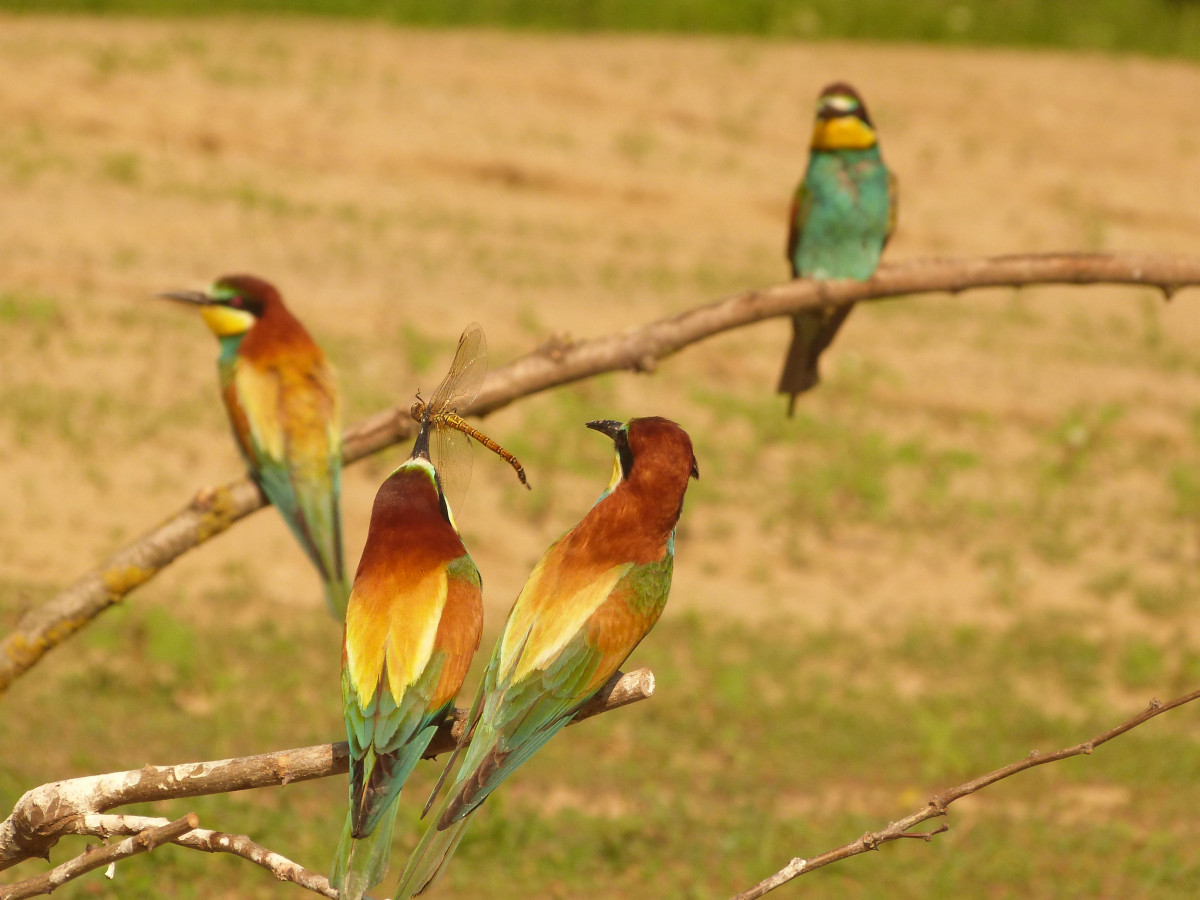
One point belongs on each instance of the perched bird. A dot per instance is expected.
(842, 215)
(593, 596)
(283, 404)
(412, 625)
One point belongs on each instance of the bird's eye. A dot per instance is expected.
(236, 300)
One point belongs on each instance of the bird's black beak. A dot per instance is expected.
(421, 444)
(196, 298)
(607, 426)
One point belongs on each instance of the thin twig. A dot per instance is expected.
(938, 805)
(208, 841)
(151, 835)
(46, 813)
(559, 362)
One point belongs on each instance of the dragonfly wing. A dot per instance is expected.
(462, 383)
(452, 452)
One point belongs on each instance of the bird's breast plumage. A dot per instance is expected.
(416, 593)
(846, 215)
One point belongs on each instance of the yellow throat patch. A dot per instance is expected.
(226, 322)
(842, 133)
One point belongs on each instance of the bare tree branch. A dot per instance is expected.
(938, 805)
(558, 362)
(152, 834)
(208, 841)
(46, 813)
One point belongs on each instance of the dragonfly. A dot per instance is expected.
(452, 433)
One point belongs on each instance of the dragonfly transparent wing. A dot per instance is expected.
(462, 383)
(452, 458)
(452, 448)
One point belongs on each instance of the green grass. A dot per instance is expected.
(761, 743)
(1159, 27)
(849, 464)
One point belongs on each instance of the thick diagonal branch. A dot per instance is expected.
(938, 805)
(560, 362)
(46, 813)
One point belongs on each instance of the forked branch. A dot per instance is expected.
(939, 803)
(151, 834)
(559, 362)
(48, 812)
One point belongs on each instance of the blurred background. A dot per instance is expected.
(979, 536)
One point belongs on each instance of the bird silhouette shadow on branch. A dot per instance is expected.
(557, 362)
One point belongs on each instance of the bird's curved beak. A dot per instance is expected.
(197, 298)
(609, 427)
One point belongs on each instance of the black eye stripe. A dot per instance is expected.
(242, 302)
(624, 454)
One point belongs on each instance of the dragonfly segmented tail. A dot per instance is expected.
(420, 411)
(457, 390)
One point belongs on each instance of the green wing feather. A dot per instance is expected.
(387, 740)
(517, 711)
(521, 712)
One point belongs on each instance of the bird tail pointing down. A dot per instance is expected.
(429, 857)
(361, 864)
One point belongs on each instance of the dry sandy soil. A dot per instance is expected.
(400, 184)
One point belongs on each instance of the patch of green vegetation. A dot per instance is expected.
(87, 418)
(122, 168)
(1159, 27)
(1150, 306)
(1075, 442)
(29, 310)
(1052, 648)
(28, 316)
(245, 195)
(1141, 663)
(839, 467)
(799, 737)
(1184, 481)
(114, 58)
(36, 409)
(849, 482)
(635, 144)
(1110, 583)
(1163, 599)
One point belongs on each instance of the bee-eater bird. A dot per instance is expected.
(412, 625)
(283, 404)
(593, 596)
(842, 214)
